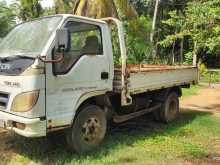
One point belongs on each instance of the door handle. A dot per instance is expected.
(104, 75)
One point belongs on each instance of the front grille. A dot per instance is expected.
(4, 97)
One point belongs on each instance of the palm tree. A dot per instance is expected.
(126, 9)
(96, 8)
(104, 8)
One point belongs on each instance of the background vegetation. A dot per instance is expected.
(183, 27)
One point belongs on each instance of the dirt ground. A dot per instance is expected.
(207, 99)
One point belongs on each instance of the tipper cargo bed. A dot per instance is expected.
(142, 78)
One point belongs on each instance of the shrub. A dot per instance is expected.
(137, 39)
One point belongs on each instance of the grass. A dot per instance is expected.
(193, 90)
(142, 142)
(193, 137)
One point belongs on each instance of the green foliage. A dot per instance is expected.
(162, 54)
(200, 22)
(137, 29)
(28, 9)
(210, 76)
(138, 39)
(188, 57)
(193, 90)
(7, 18)
(144, 7)
(64, 6)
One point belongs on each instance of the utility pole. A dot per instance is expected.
(154, 20)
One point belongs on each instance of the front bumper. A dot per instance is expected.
(33, 127)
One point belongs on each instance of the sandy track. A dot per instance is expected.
(207, 99)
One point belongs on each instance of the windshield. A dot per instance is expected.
(29, 38)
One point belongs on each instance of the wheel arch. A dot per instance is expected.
(177, 90)
(99, 98)
(162, 94)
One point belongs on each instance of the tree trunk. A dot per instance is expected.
(104, 8)
(95, 8)
(173, 54)
(195, 54)
(125, 9)
(154, 20)
(181, 50)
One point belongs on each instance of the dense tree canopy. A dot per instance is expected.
(183, 27)
(200, 24)
(64, 6)
(28, 9)
(7, 19)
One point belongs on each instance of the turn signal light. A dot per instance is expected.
(20, 126)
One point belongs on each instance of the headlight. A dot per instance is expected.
(24, 102)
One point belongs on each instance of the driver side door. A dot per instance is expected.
(83, 72)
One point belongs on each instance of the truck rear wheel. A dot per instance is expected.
(88, 130)
(169, 109)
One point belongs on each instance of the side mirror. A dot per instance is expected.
(62, 45)
(62, 39)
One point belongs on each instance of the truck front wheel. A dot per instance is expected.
(88, 130)
(169, 109)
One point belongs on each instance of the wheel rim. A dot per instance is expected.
(91, 130)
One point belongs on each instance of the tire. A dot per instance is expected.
(156, 115)
(88, 130)
(169, 109)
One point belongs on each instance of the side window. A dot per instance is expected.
(85, 39)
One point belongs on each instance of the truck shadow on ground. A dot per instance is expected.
(54, 152)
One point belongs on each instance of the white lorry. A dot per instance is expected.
(58, 73)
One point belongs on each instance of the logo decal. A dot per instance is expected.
(5, 66)
(12, 84)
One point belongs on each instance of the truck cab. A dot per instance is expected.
(38, 96)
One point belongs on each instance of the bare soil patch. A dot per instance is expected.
(207, 99)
